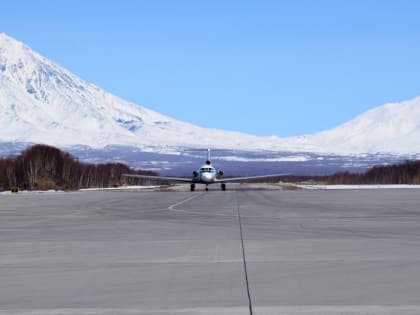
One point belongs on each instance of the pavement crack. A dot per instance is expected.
(244, 256)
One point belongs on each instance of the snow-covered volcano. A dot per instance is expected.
(41, 102)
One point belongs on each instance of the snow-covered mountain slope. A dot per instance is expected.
(41, 102)
(391, 128)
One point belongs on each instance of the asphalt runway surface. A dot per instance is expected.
(148, 252)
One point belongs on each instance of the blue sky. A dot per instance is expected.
(280, 68)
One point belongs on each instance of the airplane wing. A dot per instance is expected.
(238, 179)
(177, 179)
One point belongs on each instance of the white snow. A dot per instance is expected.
(132, 187)
(391, 128)
(290, 158)
(335, 187)
(26, 192)
(52, 191)
(41, 102)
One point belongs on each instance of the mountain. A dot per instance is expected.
(41, 102)
(391, 128)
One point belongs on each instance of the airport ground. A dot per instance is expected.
(177, 252)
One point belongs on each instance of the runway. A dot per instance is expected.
(175, 252)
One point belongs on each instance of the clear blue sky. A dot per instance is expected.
(263, 67)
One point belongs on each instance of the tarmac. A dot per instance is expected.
(177, 252)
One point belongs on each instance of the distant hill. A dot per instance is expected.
(390, 128)
(43, 167)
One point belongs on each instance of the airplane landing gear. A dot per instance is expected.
(223, 186)
(207, 188)
(192, 187)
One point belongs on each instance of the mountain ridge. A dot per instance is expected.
(390, 128)
(41, 102)
(44, 103)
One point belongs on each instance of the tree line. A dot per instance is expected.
(46, 167)
(405, 173)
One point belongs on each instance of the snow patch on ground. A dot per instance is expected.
(122, 188)
(27, 192)
(52, 191)
(335, 187)
(274, 159)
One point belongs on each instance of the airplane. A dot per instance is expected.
(206, 175)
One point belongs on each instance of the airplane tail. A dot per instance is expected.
(208, 161)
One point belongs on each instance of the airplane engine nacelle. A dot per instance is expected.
(220, 173)
(195, 174)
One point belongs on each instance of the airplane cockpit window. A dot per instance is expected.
(206, 170)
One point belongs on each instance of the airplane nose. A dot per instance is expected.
(206, 177)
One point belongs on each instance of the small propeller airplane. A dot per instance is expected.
(206, 175)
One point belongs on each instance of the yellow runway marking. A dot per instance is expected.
(215, 214)
(172, 207)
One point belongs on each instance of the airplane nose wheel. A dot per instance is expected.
(207, 188)
(192, 187)
(223, 187)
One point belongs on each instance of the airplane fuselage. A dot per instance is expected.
(206, 175)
